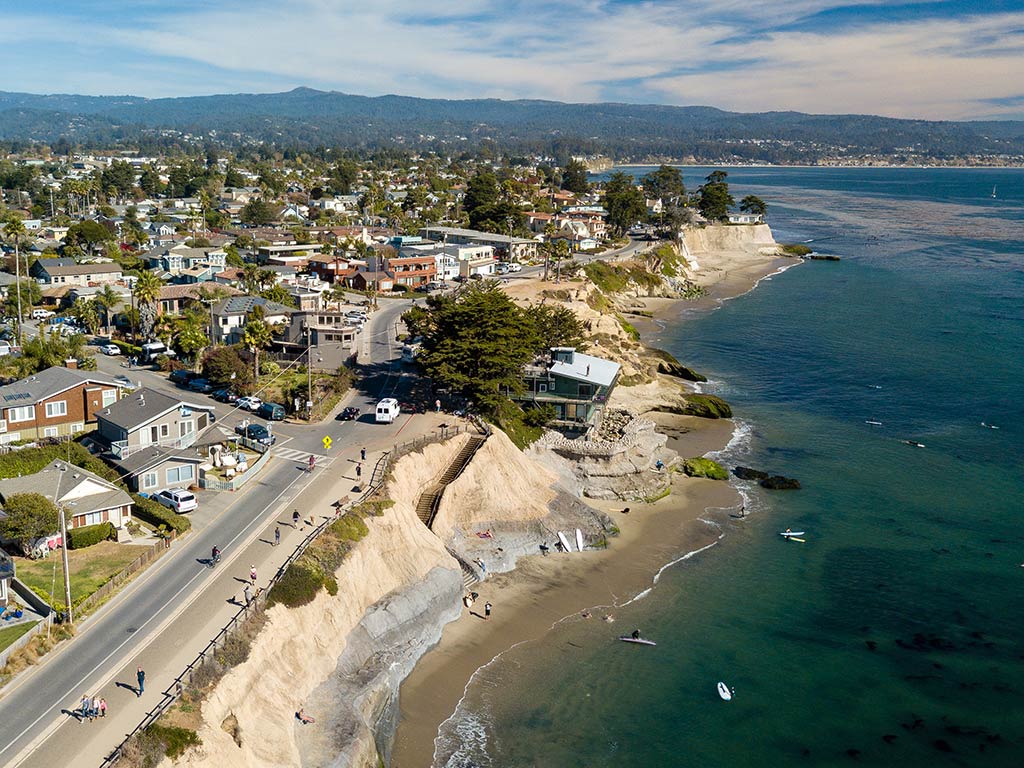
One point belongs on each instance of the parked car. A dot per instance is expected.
(460, 278)
(356, 315)
(257, 433)
(501, 268)
(200, 385)
(124, 381)
(435, 285)
(349, 414)
(515, 266)
(110, 349)
(42, 314)
(177, 499)
(182, 377)
(270, 411)
(250, 403)
(224, 395)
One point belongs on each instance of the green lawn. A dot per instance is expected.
(9, 634)
(90, 569)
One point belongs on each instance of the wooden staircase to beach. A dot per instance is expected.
(429, 501)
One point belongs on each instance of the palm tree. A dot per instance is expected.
(108, 298)
(147, 289)
(251, 278)
(86, 312)
(14, 229)
(257, 335)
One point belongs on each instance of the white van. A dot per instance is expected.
(387, 410)
(154, 349)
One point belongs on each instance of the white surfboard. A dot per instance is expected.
(637, 640)
(787, 534)
(579, 539)
(564, 541)
(724, 692)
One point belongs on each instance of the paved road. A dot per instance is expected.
(167, 615)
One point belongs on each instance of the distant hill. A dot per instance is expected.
(307, 118)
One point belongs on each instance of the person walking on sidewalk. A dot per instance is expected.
(277, 535)
(248, 594)
(252, 574)
(103, 707)
(140, 675)
(295, 519)
(84, 709)
(362, 454)
(359, 469)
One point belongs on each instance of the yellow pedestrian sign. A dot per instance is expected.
(327, 442)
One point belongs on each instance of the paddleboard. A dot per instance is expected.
(579, 539)
(873, 423)
(637, 640)
(787, 534)
(564, 542)
(796, 538)
(724, 692)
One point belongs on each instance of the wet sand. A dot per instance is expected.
(542, 591)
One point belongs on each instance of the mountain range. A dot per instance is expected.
(307, 118)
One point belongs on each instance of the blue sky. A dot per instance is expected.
(935, 59)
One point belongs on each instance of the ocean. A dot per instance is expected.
(892, 636)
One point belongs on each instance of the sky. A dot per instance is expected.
(934, 59)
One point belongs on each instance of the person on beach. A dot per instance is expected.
(544, 549)
(625, 511)
(487, 610)
(303, 717)
(277, 535)
(437, 406)
(295, 519)
(359, 469)
(468, 600)
(252, 574)
(140, 676)
(103, 707)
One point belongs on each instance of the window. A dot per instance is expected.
(149, 480)
(109, 397)
(57, 408)
(93, 518)
(22, 413)
(165, 430)
(179, 474)
(49, 431)
(185, 428)
(10, 437)
(77, 426)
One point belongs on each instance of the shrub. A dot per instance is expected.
(797, 249)
(157, 514)
(175, 740)
(700, 467)
(297, 586)
(350, 528)
(540, 415)
(628, 327)
(87, 536)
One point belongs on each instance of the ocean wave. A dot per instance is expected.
(739, 443)
(466, 742)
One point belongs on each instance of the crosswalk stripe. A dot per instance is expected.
(293, 454)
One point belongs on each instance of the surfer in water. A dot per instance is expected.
(635, 634)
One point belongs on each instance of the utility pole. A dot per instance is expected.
(64, 544)
(309, 374)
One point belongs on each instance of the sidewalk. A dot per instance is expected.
(172, 645)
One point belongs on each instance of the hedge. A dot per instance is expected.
(157, 514)
(86, 536)
(28, 461)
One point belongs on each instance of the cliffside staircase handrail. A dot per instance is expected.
(456, 468)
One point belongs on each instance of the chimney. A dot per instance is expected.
(71, 363)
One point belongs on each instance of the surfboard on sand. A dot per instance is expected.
(637, 640)
(579, 539)
(724, 692)
(564, 542)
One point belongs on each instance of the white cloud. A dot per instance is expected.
(726, 53)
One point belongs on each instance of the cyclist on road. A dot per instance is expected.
(215, 555)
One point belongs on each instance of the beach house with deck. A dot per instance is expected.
(575, 384)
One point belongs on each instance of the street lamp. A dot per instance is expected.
(64, 543)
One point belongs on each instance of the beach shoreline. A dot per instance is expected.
(543, 592)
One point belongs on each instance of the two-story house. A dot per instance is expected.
(576, 384)
(6, 575)
(53, 403)
(146, 418)
(63, 271)
(230, 314)
(411, 269)
(179, 261)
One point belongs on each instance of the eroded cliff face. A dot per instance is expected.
(396, 590)
(714, 238)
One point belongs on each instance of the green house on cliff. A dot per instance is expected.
(577, 385)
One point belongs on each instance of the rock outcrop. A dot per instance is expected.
(701, 467)
(780, 483)
(746, 473)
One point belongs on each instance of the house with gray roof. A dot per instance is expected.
(67, 272)
(87, 498)
(150, 418)
(55, 402)
(154, 467)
